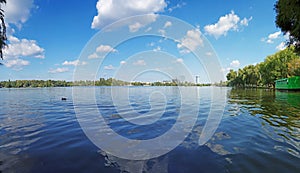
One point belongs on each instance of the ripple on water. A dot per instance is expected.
(259, 132)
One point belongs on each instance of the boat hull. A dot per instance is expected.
(292, 83)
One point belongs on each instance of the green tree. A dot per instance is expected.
(231, 77)
(288, 19)
(3, 37)
(251, 75)
(294, 67)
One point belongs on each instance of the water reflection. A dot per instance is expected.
(279, 110)
(259, 132)
(151, 166)
(21, 126)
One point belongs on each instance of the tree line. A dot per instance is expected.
(283, 64)
(100, 82)
(59, 83)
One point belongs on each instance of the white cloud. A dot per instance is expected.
(101, 50)
(191, 40)
(286, 36)
(17, 12)
(123, 62)
(22, 48)
(179, 60)
(93, 56)
(112, 10)
(140, 63)
(13, 39)
(157, 49)
(162, 32)
(151, 44)
(225, 70)
(270, 39)
(135, 24)
(148, 29)
(229, 22)
(135, 27)
(168, 24)
(74, 63)
(16, 64)
(281, 46)
(58, 70)
(105, 49)
(245, 21)
(18, 49)
(109, 67)
(179, 5)
(235, 63)
(208, 53)
(274, 35)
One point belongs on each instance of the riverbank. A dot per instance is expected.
(101, 82)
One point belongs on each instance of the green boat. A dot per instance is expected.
(292, 83)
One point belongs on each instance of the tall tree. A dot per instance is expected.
(3, 37)
(288, 19)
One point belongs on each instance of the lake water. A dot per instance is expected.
(259, 130)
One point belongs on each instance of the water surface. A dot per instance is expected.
(259, 131)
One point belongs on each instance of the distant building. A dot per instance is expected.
(197, 79)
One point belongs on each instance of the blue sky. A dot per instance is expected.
(46, 37)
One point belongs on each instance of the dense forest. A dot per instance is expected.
(283, 64)
(100, 82)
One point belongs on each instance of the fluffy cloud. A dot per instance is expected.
(270, 39)
(101, 50)
(17, 12)
(209, 54)
(93, 56)
(23, 48)
(157, 49)
(123, 62)
(281, 46)
(179, 5)
(74, 63)
(135, 27)
(274, 35)
(229, 22)
(109, 67)
(140, 63)
(18, 49)
(191, 40)
(168, 24)
(235, 63)
(225, 70)
(162, 32)
(179, 60)
(105, 49)
(245, 21)
(136, 24)
(58, 70)
(148, 29)
(16, 64)
(112, 10)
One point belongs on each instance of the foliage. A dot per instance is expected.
(100, 82)
(34, 83)
(283, 64)
(3, 37)
(288, 19)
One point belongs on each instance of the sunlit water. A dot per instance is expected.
(259, 132)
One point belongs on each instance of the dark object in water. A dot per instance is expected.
(63, 98)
